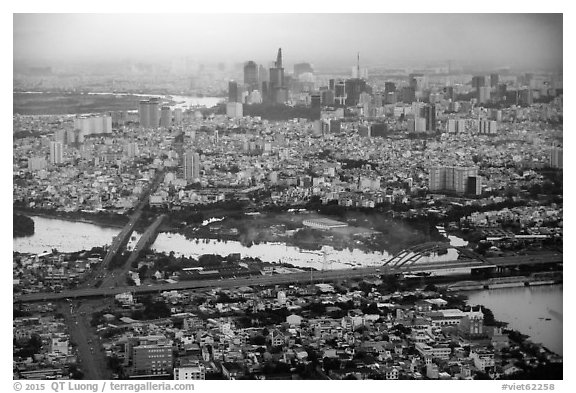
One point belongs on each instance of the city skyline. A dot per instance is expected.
(528, 41)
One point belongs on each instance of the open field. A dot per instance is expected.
(71, 103)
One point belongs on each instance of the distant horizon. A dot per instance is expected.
(473, 41)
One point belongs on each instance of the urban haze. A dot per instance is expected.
(287, 197)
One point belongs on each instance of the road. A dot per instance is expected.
(300, 277)
(122, 238)
(92, 360)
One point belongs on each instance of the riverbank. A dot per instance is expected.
(101, 219)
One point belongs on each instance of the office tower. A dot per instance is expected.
(389, 87)
(302, 68)
(315, 100)
(131, 149)
(556, 156)
(340, 93)
(56, 153)
(501, 91)
(494, 80)
(430, 116)
(234, 109)
(331, 84)
(354, 87)
(251, 76)
(165, 117)
(277, 90)
(478, 81)
(327, 97)
(232, 91)
(178, 116)
(191, 166)
(408, 94)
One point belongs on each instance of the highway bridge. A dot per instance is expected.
(302, 277)
(122, 238)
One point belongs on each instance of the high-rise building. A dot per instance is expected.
(483, 94)
(462, 180)
(148, 111)
(56, 153)
(251, 79)
(233, 92)
(487, 127)
(327, 97)
(165, 117)
(340, 93)
(430, 116)
(144, 113)
(60, 136)
(154, 112)
(478, 81)
(355, 87)
(315, 100)
(408, 94)
(278, 93)
(389, 87)
(191, 166)
(178, 116)
(494, 80)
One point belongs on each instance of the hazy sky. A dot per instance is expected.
(526, 40)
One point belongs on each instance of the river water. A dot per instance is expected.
(524, 308)
(68, 236)
(527, 309)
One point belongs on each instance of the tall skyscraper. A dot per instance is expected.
(430, 116)
(56, 153)
(191, 166)
(165, 117)
(278, 92)
(340, 93)
(251, 79)
(233, 91)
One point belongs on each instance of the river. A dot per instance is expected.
(68, 236)
(524, 308)
(527, 309)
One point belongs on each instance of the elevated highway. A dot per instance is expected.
(301, 277)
